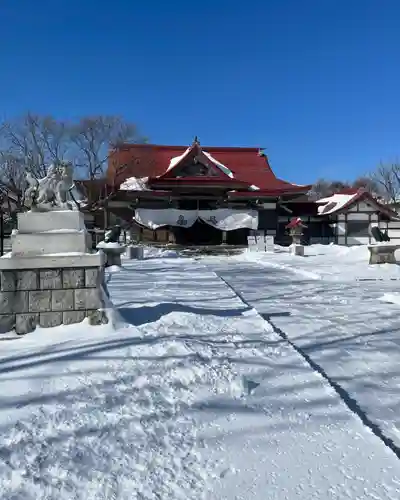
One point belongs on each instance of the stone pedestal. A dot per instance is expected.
(112, 252)
(297, 234)
(383, 254)
(297, 250)
(50, 277)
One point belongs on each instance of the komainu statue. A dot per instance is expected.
(53, 192)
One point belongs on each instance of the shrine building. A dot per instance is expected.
(197, 195)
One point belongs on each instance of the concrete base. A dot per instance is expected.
(42, 233)
(38, 222)
(24, 244)
(382, 254)
(8, 262)
(113, 255)
(297, 250)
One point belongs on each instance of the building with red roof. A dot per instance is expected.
(196, 194)
(212, 195)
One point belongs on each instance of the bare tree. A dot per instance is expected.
(12, 178)
(94, 137)
(337, 186)
(387, 177)
(319, 190)
(324, 188)
(33, 142)
(370, 185)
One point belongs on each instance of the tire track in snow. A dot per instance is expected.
(346, 398)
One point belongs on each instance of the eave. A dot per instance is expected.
(271, 193)
(196, 183)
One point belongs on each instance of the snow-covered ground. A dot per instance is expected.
(329, 262)
(198, 395)
(347, 321)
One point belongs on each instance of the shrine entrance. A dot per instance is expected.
(200, 233)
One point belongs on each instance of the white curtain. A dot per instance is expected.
(227, 219)
(153, 218)
(224, 219)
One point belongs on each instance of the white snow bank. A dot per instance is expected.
(156, 253)
(328, 262)
(113, 269)
(135, 184)
(109, 244)
(391, 298)
(260, 258)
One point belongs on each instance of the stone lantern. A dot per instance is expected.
(296, 231)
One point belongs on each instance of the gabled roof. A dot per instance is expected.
(343, 200)
(195, 153)
(248, 165)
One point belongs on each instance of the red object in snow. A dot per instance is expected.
(295, 222)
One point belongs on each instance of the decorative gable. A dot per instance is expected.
(195, 162)
(196, 167)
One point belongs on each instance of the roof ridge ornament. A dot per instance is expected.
(261, 152)
(196, 141)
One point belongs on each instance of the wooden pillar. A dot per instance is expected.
(105, 216)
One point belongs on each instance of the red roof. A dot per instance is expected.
(246, 164)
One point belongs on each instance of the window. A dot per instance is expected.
(358, 228)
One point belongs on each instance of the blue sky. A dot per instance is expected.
(315, 82)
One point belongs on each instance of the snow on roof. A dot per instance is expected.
(134, 184)
(245, 164)
(176, 159)
(222, 167)
(334, 203)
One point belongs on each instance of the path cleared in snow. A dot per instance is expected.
(344, 327)
(196, 397)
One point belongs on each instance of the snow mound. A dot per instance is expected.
(327, 262)
(157, 253)
(391, 298)
(109, 244)
(113, 269)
